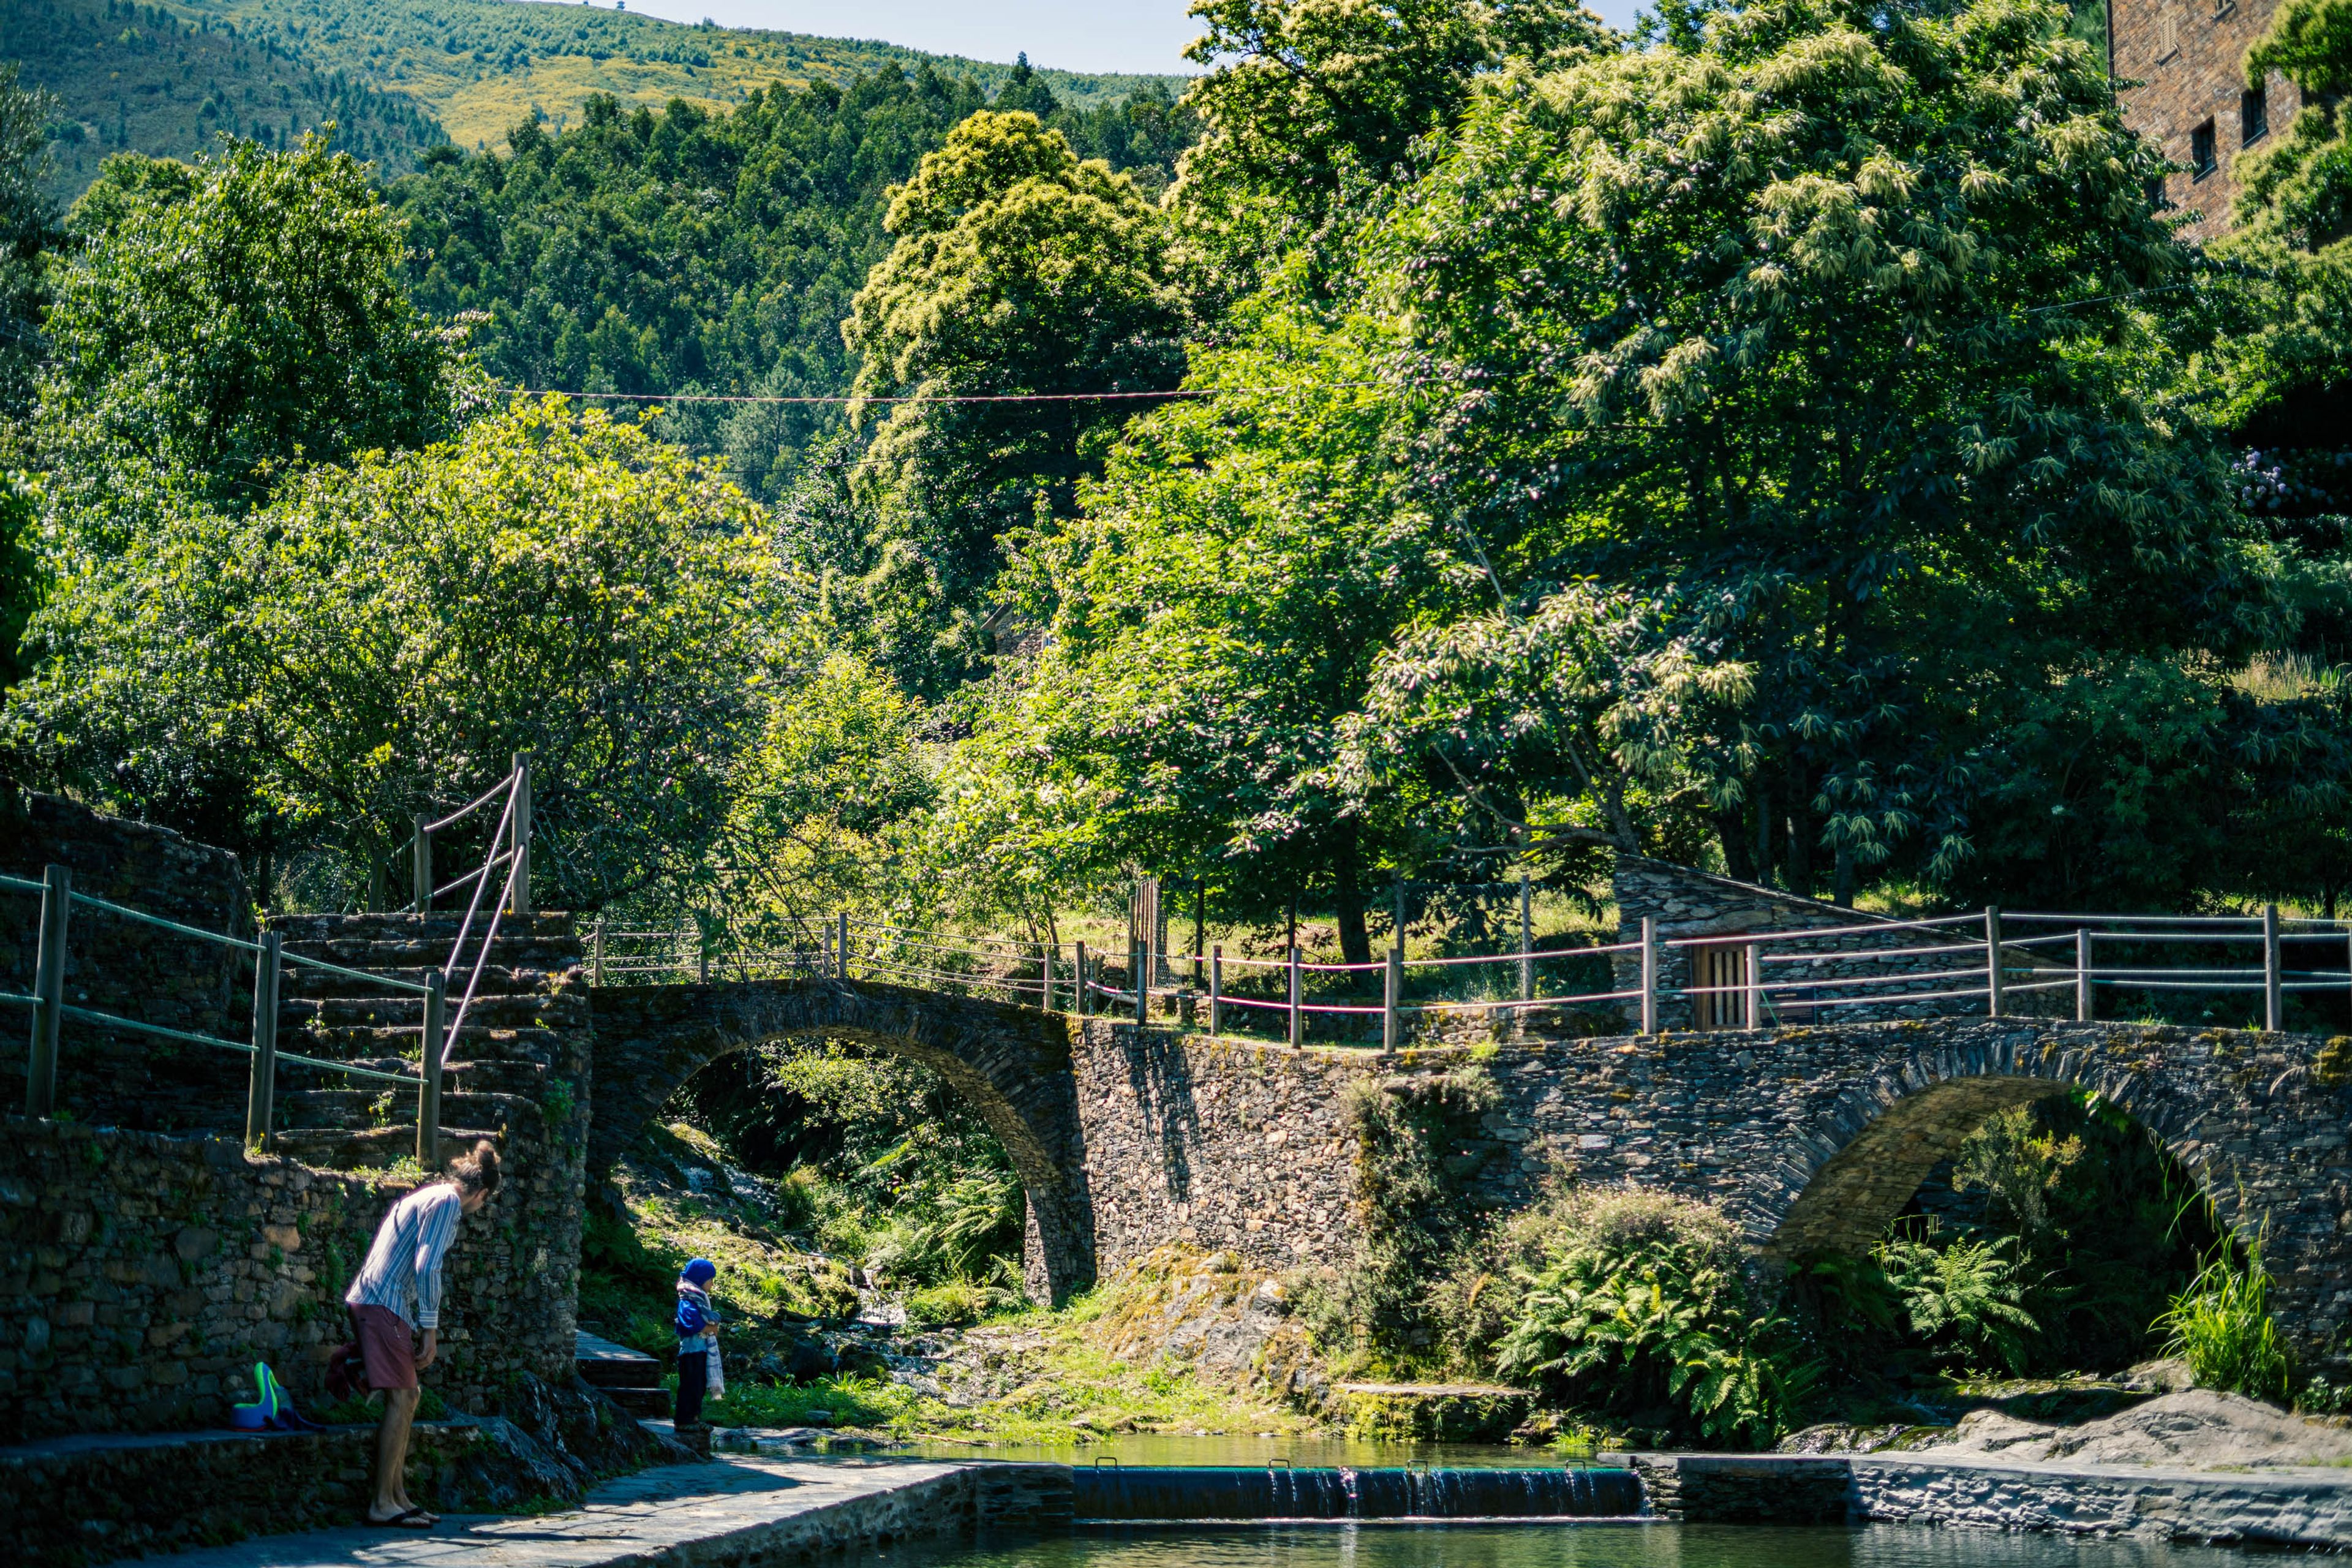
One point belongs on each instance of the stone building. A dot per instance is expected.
(2180, 70)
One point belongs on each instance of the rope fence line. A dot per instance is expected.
(509, 847)
(1731, 980)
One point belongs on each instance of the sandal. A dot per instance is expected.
(414, 1519)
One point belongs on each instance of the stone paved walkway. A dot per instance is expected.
(678, 1515)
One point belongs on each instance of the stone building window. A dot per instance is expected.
(2168, 35)
(2253, 116)
(2201, 159)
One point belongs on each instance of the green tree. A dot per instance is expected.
(28, 227)
(1217, 610)
(1836, 332)
(223, 323)
(378, 640)
(1301, 95)
(1018, 272)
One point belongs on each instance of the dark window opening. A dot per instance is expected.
(2253, 116)
(2202, 160)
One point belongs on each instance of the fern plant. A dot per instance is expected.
(1966, 1297)
(1665, 1325)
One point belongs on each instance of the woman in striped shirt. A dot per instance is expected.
(398, 1293)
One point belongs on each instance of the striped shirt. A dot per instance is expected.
(403, 1271)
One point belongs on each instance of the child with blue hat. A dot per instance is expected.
(698, 1340)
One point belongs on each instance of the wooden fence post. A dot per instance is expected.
(1755, 967)
(1391, 994)
(1527, 941)
(1995, 975)
(48, 992)
(521, 839)
(421, 865)
(1139, 953)
(2274, 998)
(1297, 1016)
(1217, 989)
(261, 1093)
(1649, 974)
(2084, 1005)
(428, 1070)
(1045, 981)
(841, 943)
(597, 953)
(1086, 989)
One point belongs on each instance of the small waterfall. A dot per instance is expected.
(1230, 1492)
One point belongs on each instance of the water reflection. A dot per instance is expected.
(1374, 1546)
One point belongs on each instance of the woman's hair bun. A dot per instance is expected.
(478, 1172)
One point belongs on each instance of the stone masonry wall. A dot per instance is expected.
(2178, 64)
(115, 965)
(1688, 903)
(141, 1276)
(1808, 1138)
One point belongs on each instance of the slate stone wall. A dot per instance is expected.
(1688, 903)
(1808, 1138)
(142, 1276)
(115, 965)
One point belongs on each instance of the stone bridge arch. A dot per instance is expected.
(1864, 1114)
(1011, 1064)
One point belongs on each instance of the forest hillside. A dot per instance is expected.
(402, 75)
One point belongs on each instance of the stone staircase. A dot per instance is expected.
(509, 1069)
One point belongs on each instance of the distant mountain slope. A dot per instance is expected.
(138, 76)
(481, 66)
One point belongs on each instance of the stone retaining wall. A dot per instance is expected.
(142, 1276)
(115, 965)
(2310, 1509)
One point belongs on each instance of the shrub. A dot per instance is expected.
(1640, 1313)
(2221, 1326)
(949, 1305)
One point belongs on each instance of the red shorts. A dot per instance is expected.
(388, 1345)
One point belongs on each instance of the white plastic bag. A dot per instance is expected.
(714, 1383)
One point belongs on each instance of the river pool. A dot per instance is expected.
(1363, 1544)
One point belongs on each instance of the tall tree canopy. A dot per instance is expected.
(222, 322)
(1018, 272)
(1302, 96)
(381, 638)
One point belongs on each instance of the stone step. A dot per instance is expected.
(352, 1042)
(386, 1106)
(515, 978)
(501, 1009)
(645, 1403)
(382, 951)
(371, 1148)
(440, 923)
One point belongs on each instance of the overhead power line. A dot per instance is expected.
(949, 397)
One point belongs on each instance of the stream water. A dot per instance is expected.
(1257, 1453)
(1354, 1544)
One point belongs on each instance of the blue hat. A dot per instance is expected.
(701, 1271)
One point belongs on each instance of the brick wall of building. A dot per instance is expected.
(2180, 68)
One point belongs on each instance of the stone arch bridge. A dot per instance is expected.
(1811, 1137)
